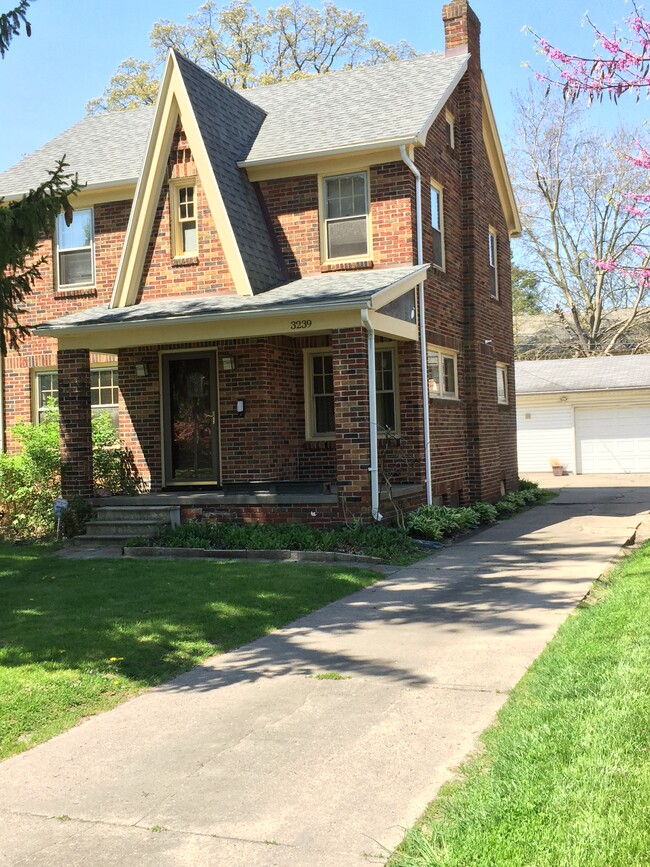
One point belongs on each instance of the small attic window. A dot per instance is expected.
(450, 129)
(184, 233)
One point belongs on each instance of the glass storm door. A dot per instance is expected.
(190, 419)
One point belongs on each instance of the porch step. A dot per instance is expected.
(115, 525)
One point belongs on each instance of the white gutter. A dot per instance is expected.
(423, 332)
(359, 147)
(373, 469)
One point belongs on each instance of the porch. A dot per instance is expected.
(258, 419)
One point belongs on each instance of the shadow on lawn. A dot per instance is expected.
(480, 583)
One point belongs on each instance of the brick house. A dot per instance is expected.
(242, 266)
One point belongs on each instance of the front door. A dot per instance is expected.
(190, 419)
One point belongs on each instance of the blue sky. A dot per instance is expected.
(46, 81)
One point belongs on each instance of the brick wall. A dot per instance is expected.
(75, 423)
(207, 272)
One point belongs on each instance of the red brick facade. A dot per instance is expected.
(472, 439)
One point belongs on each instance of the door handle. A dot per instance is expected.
(212, 416)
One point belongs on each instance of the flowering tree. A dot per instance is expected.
(620, 65)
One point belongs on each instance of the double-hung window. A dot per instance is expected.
(442, 373)
(319, 393)
(345, 220)
(75, 253)
(385, 388)
(184, 233)
(492, 262)
(437, 227)
(502, 383)
(103, 393)
(450, 129)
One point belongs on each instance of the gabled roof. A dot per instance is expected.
(106, 149)
(228, 123)
(562, 375)
(392, 103)
(349, 110)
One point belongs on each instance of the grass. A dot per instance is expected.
(78, 636)
(563, 779)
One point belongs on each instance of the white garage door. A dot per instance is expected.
(615, 440)
(543, 433)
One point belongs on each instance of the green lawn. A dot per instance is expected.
(78, 636)
(564, 777)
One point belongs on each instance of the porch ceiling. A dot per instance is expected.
(312, 304)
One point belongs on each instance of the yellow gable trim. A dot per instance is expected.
(498, 165)
(173, 104)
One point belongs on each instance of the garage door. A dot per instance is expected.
(615, 440)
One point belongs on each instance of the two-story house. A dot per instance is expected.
(287, 296)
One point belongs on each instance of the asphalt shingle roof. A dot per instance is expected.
(105, 148)
(322, 290)
(371, 103)
(582, 374)
(228, 124)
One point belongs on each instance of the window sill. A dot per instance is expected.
(503, 404)
(320, 444)
(75, 291)
(184, 261)
(356, 265)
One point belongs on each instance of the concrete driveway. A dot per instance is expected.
(250, 759)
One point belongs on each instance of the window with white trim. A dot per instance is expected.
(321, 384)
(442, 373)
(385, 389)
(319, 393)
(104, 392)
(185, 236)
(345, 220)
(75, 250)
(492, 262)
(502, 383)
(437, 227)
(450, 129)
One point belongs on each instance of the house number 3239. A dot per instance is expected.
(297, 324)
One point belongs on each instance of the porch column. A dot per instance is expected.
(352, 420)
(75, 423)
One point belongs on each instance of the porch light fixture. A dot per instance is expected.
(227, 362)
(141, 369)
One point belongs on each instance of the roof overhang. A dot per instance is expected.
(136, 326)
(498, 165)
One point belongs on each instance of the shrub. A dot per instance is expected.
(527, 485)
(486, 512)
(388, 543)
(30, 480)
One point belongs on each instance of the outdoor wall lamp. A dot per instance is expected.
(142, 369)
(227, 362)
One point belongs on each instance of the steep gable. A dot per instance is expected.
(215, 121)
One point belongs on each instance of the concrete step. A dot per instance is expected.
(161, 514)
(92, 541)
(126, 528)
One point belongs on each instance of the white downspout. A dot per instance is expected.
(423, 331)
(373, 469)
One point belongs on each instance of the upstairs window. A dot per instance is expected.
(502, 383)
(492, 261)
(450, 129)
(346, 216)
(185, 236)
(437, 227)
(75, 255)
(442, 373)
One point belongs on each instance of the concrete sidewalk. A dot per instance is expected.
(252, 760)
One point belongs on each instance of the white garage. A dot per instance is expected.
(592, 415)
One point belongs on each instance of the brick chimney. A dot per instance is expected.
(462, 30)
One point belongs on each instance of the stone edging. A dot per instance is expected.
(246, 554)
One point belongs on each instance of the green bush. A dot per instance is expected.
(436, 522)
(30, 480)
(487, 513)
(388, 543)
(527, 485)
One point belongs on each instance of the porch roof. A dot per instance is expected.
(308, 296)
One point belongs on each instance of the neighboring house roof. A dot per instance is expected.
(562, 375)
(544, 335)
(106, 149)
(392, 103)
(354, 289)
